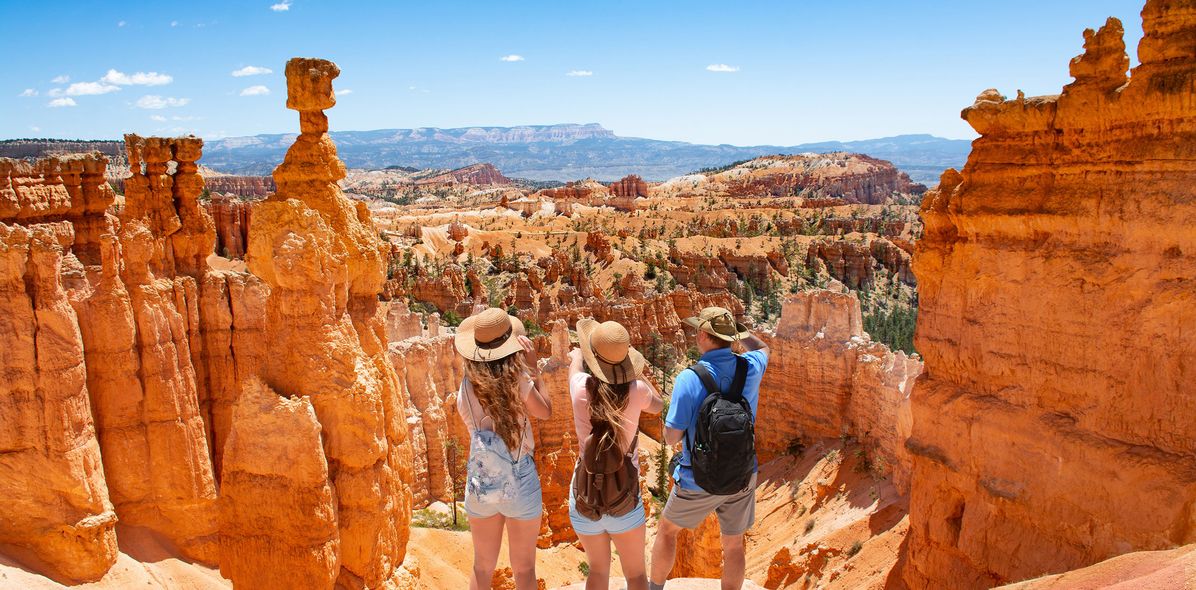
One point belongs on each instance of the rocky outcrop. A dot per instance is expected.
(1054, 425)
(854, 178)
(168, 204)
(475, 175)
(278, 511)
(69, 187)
(326, 339)
(231, 218)
(848, 260)
(826, 379)
(244, 187)
(629, 186)
(57, 512)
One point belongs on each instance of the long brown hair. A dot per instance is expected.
(607, 403)
(496, 385)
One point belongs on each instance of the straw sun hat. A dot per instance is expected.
(720, 323)
(606, 349)
(489, 335)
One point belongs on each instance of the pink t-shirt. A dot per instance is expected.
(639, 396)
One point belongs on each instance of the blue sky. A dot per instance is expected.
(794, 72)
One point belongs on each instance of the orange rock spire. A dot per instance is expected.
(323, 261)
(1053, 425)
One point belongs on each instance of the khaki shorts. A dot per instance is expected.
(736, 513)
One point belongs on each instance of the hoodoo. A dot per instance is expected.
(326, 341)
(1054, 425)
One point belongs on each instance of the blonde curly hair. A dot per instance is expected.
(496, 386)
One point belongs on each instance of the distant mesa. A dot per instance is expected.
(540, 152)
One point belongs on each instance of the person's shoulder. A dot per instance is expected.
(757, 359)
(686, 382)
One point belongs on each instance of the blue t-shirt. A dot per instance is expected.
(688, 393)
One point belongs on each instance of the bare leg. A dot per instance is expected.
(631, 557)
(733, 561)
(598, 556)
(521, 537)
(487, 540)
(664, 550)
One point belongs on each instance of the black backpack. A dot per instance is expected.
(723, 450)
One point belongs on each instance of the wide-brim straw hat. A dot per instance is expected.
(720, 323)
(489, 335)
(607, 351)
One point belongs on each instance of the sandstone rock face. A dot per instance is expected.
(277, 506)
(848, 178)
(231, 218)
(629, 186)
(326, 337)
(825, 379)
(1053, 425)
(56, 510)
(245, 187)
(70, 187)
(169, 203)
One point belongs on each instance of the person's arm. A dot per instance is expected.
(655, 402)
(681, 407)
(753, 343)
(575, 363)
(538, 404)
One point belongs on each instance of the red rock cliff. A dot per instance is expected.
(1054, 425)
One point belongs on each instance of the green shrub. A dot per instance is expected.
(855, 548)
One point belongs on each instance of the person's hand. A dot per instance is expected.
(574, 355)
(529, 353)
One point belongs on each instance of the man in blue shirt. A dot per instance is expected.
(688, 504)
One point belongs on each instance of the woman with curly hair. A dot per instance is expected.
(499, 394)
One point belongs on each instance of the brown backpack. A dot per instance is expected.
(606, 481)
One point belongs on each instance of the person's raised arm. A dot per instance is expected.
(538, 404)
(655, 402)
(752, 343)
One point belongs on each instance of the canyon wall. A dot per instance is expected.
(827, 379)
(248, 420)
(1053, 424)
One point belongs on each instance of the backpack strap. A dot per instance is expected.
(706, 378)
(738, 382)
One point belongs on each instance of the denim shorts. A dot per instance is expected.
(611, 525)
(528, 503)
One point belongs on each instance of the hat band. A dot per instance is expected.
(489, 344)
(622, 371)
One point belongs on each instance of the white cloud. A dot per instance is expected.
(28, 92)
(579, 73)
(61, 102)
(257, 90)
(121, 23)
(174, 23)
(35, 128)
(283, 6)
(153, 101)
(158, 118)
(63, 79)
(512, 57)
(251, 71)
(722, 68)
(90, 88)
(137, 79)
(344, 92)
(54, 92)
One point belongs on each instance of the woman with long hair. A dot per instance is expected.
(500, 392)
(608, 396)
